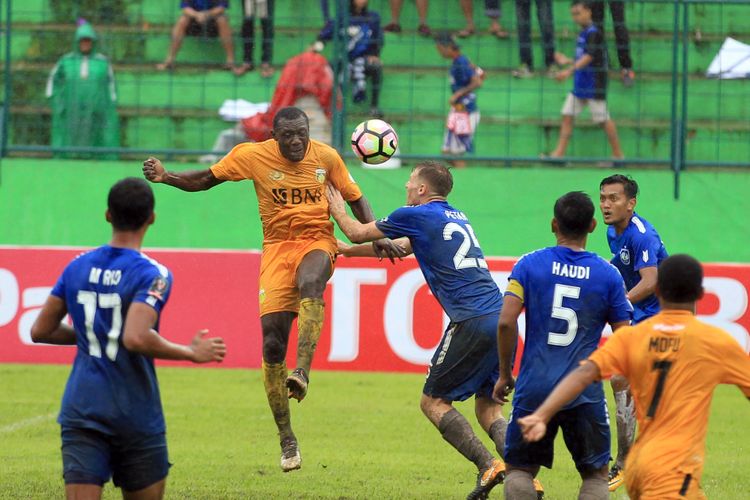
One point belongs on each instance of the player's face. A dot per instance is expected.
(581, 15)
(413, 186)
(445, 51)
(293, 137)
(615, 205)
(85, 45)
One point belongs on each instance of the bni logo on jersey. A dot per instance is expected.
(625, 256)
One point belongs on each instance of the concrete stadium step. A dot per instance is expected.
(404, 91)
(708, 18)
(288, 13)
(652, 54)
(195, 129)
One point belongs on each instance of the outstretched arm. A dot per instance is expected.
(194, 180)
(139, 336)
(534, 426)
(362, 210)
(364, 230)
(367, 250)
(356, 231)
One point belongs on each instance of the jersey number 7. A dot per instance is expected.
(663, 367)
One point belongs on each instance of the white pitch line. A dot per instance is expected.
(26, 423)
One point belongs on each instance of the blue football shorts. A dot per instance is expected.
(585, 430)
(465, 362)
(133, 463)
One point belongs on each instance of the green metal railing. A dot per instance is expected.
(673, 117)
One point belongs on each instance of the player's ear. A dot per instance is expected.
(553, 225)
(273, 134)
(151, 218)
(108, 216)
(631, 203)
(593, 225)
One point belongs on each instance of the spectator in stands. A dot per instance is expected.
(326, 11)
(365, 43)
(81, 89)
(547, 27)
(622, 37)
(395, 25)
(201, 18)
(491, 9)
(463, 116)
(262, 9)
(589, 72)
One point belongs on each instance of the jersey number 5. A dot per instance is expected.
(460, 260)
(564, 313)
(105, 301)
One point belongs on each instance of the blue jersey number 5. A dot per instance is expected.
(564, 313)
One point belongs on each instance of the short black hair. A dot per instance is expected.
(351, 9)
(130, 203)
(680, 279)
(574, 212)
(436, 175)
(446, 39)
(583, 3)
(628, 184)
(289, 113)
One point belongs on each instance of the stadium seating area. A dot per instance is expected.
(520, 118)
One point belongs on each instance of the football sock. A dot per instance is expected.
(274, 380)
(458, 432)
(625, 417)
(519, 485)
(594, 488)
(309, 324)
(497, 433)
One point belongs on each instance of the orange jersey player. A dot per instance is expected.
(290, 173)
(673, 362)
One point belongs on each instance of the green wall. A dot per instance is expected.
(57, 202)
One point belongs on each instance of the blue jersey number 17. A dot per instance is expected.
(105, 301)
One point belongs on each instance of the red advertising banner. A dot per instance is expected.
(379, 316)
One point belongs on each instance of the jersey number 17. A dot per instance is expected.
(89, 300)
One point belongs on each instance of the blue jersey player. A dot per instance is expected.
(465, 361)
(637, 250)
(111, 417)
(569, 295)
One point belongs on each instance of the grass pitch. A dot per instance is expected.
(361, 435)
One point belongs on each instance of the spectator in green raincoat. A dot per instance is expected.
(81, 89)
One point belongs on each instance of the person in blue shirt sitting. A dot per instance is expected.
(365, 41)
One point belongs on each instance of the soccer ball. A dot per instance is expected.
(374, 141)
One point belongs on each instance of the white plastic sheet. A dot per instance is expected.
(732, 61)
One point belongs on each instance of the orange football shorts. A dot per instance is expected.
(278, 272)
